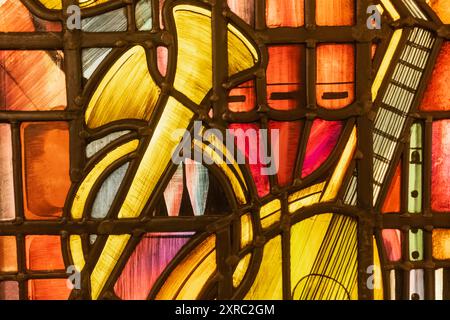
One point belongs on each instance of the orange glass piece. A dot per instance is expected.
(437, 95)
(442, 9)
(284, 77)
(7, 203)
(48, 289)
(8, 254)
(440, 166)
(242, 98)
(285, 13)
(31, 81)
(335, 12)
(45, 150)
(392, 201)
(335, 88)
(15, 17)
(289, 137)
(44, 253)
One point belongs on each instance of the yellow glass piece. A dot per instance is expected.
(57, 4)
(198, 278)
(196, 51)
(157, 157)
(194, 39)
(108, 259)
(76, 249)
(391, 9)
(127, 91)
(91, 3)
(318, 246)
(441, 244)
(393, 44)
(269, 221)
(270, 213)
(378, 278)
(246, 230)
(241, 270)
(84, 190)
(335, 182)
(219, 146)
(217, 159)
(306, 239)
(380, 9)
(305, 197)
(188, 279)
(242, 55)
(52, 4)
(268, 284)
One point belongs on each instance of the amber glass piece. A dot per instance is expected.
(8, 254)
(285, 13)
(335, 12)
(335, 75)
(45, 151)
(48, 289)
(437, 95)
(284, 77)
(44, 253)
(441, 244)
(442, 9)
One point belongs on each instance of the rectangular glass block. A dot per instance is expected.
(7, 202)
(32, 81)
(416, 285)
(8, 254)
(441, 244)
(44, 253)
(285, 13)
(335, 68)
(45, 149)
(242, 98)
(440, 167)
(48, 289)
(284, 77)
(416, 244)
(9, 290)
(335, 12)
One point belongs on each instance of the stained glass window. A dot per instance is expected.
(240, 149)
